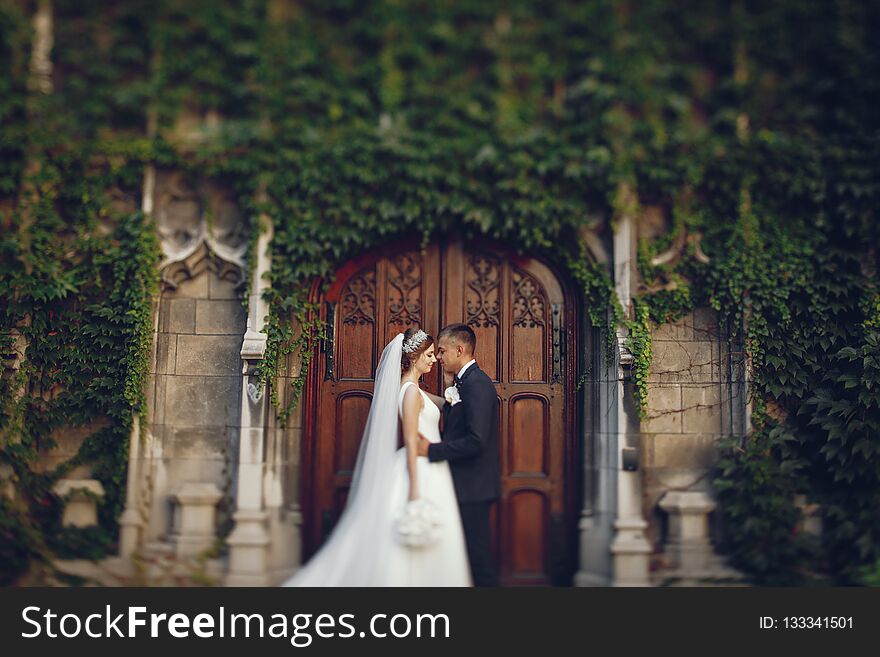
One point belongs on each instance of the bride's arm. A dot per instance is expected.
(412, 406)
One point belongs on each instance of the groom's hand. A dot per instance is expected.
(423, 446)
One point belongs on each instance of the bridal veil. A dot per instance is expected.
(364, 530)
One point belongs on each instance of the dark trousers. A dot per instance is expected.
(477, 536)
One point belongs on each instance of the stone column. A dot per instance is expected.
(630, 548)
(131, 522)
(596, 525)
(600, 470)
(249, 540)
(689, 549)
(193, 530)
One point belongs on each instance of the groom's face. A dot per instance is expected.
(450, 354)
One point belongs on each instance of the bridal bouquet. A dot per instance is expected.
(419, 523)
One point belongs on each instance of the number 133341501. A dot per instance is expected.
(806, 622)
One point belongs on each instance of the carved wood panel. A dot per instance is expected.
(357, 327)
(404, 291)
(529, 357)
(483, 305)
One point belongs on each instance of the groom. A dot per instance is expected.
(470, 444)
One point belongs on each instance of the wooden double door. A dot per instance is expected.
(525, 328)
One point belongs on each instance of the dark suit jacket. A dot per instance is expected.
(470, 439)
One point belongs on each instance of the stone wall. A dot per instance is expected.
(195, 398)
(68, 440)
(194, 388)
(690, 402)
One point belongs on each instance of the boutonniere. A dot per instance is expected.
(452, 396)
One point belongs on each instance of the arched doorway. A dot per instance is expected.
(526, 325)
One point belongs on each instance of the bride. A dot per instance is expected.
(369, 546)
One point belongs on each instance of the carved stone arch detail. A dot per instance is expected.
(200, 228)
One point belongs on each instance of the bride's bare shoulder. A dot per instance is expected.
(411, 398)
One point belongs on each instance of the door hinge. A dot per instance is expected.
(328, 344)
(558, 342)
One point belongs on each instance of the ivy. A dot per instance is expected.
(639, 343)
(756, 486)
(78, 274)
(530, 123)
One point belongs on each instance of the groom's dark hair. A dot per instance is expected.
(460, 333)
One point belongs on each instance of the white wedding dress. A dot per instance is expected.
(363, 549)
(444, 563)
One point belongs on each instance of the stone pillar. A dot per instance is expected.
(281, 477)
(600, 471)
(249, 540)
(630, 548)
(689, 549)
(131, 522)
(80, 501)
(193, 526)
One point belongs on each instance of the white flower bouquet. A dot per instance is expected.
(418, 525)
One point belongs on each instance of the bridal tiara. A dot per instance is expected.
(413, 343)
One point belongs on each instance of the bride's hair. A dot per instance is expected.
(407, 359)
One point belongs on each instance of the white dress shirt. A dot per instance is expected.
(466, 365)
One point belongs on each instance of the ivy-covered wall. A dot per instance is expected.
(748, 127)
